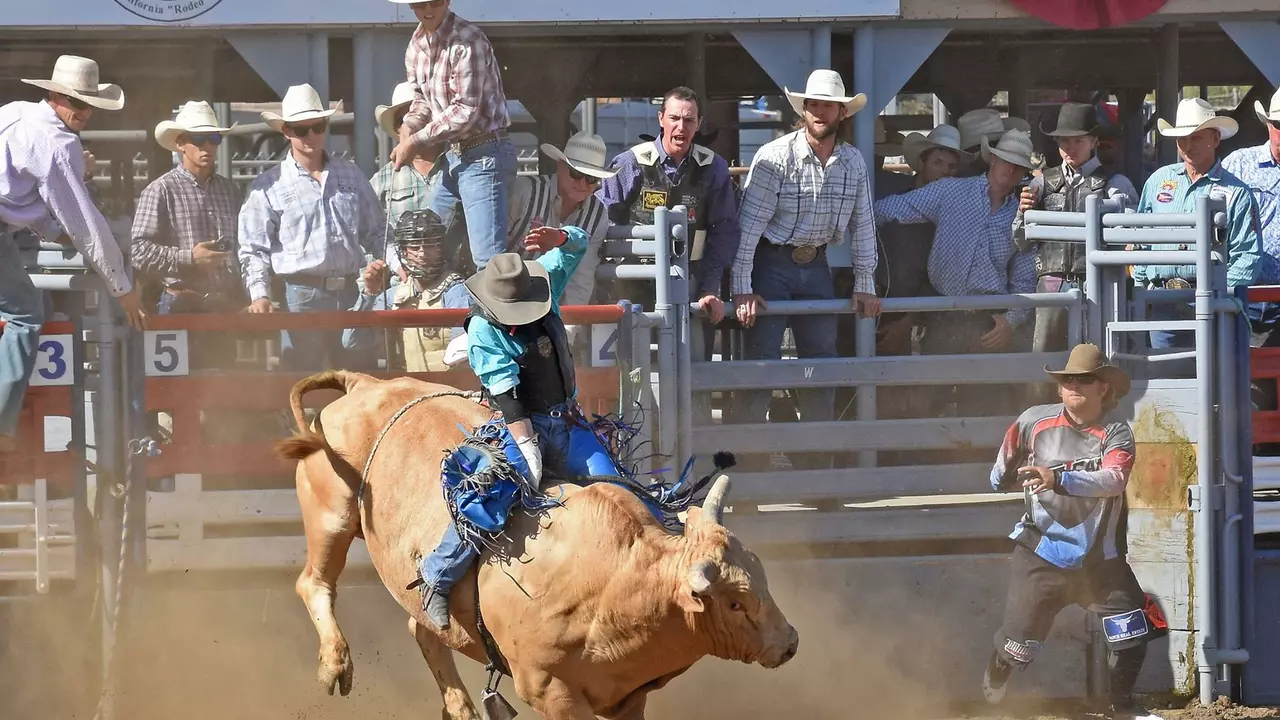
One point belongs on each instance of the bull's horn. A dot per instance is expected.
(702, 574)
(713, 505)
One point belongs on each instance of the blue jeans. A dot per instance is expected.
(22, 309)
(568, 447)
(1172, 340)
(1050, 332)
(480, 179)
(314, 350)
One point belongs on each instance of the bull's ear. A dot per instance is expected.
(689, 601)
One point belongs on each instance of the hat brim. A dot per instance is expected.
(913, 149)
(385, 115)
(1113, 376)
(109, 97)
(532, 307)
(277, 122)
(1226, 127)
(594, 171)
(167, 132)
(851, 104)
(1266, 118)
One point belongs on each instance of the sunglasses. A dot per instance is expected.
(1079, 379)
(76, 103)
(214, 139)
(302, 131)
(575, 175)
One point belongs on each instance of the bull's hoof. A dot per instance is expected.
(336, 670)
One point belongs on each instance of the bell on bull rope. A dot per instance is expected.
(496, 707)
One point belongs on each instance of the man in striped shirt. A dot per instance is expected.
(804, 191)
(459, 102)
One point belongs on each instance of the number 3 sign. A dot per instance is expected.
(55, 361)
(166, 353)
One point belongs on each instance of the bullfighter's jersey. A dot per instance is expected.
(1086, 513)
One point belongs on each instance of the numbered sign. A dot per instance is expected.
(166, 353)
(604, 345)
(55, 361)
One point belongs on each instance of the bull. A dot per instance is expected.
(595, 605)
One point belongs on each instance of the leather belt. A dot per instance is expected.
(1174, 283)
(473, 141)
(800, 254)
(325, 283)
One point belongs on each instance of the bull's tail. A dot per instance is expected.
(305, 440)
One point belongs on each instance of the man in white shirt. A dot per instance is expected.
(42, 188)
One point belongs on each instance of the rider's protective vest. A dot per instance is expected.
(546, 365)
(1059, 258)
(656, 190)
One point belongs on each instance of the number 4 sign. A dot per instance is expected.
(604, 345)
(166, 353)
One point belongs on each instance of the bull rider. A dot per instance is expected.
(1072, 462)
(518, 348)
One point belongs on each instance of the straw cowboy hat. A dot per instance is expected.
(585, 152)
(1088, 359)
(77, 77)
(514, 291)
(882, 144)
(1015, 147)
(1074, 120)
(196, 116)
(1269, 117)
(828, 86)
(945, 137)
(300, 104)
(1195, 114)
(385, 115)
(986, 122)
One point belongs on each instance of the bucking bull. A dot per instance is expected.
(597, 605)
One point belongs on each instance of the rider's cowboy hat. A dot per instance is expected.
(986, 122)
(77, 77)
(1269, 117)
(300, 104)
(1074, 120)
(1088, 359)
(513, 290)
(825, 85)
(585, 152)
(385, 115)
(944, 137)
(195, 117)
(1195, 114)
(1014, 146)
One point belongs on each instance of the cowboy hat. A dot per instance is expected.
(195, 117)
(1194, 114)
(1074, 120)
(1088, 359)
(882, 145)
(945, 137)
(1014, 146)
(585, 152)
(77, 77)
(385, 115)
(986, 122)
(1269, 117)
(300, 104)
(514, 291)
(826, 85)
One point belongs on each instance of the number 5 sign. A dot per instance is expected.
(55, 361)
(166, 353)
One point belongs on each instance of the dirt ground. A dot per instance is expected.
(1191, 710)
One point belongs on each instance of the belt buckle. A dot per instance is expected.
(1177, 284)
(555, 414)
(804, 254)
(334, 283)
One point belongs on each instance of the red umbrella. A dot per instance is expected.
(1089, 14)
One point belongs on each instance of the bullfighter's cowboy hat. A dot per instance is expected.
(986, 122)
(300, 104)
(585, 152)
(1015, 147)
(514, 291)
(385, 115)
(826, 85)
(1088, 359)
(1269, 117)
(943, 137)
(1195, 114)
(1074, 120)
(195, 117)
(77, 77)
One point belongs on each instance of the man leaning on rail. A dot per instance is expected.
(1072, 461)
(42, 188)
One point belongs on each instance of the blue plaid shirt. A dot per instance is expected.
(1259, 170)
(292, 223)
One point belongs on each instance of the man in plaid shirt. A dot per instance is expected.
(459, 102)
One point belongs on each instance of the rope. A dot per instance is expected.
(364, 475)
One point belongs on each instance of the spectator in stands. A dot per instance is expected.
(1174, 189)
(309, 220)
(42, 188)
(1259, 168)
(459, 102)
(1060, 266)
(973, 254)
(984, 123)
(184, 227)
(804, 190)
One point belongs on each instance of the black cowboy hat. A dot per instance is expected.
(1073, 120)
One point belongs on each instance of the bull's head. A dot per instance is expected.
(725, 589)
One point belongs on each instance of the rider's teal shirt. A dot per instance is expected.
(492, 352)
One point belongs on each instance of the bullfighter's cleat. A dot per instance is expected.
(1131, 710)
(995, 679)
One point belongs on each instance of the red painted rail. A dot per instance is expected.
(338, 320)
